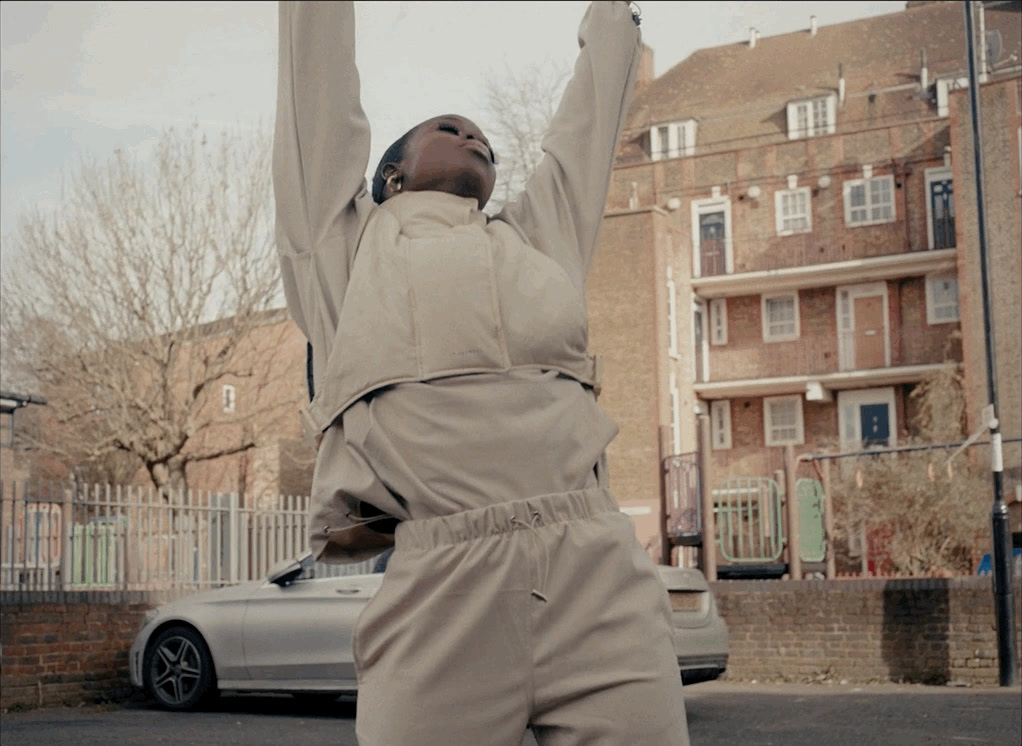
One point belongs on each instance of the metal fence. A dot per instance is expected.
(66, 537)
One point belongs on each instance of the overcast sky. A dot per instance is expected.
(85, 78)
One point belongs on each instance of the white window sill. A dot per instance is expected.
(868, 223)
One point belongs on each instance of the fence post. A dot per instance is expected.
(66, 528)
(791, 503)
(708, 550)
(828, 521)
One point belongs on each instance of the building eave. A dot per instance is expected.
(852, 379)
(868, 269)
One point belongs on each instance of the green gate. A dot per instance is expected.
(812, 539)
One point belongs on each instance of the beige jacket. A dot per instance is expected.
(426, 285)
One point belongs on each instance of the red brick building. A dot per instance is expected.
(781, 249)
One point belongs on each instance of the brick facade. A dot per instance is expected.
(1001, 119)
(865, 322)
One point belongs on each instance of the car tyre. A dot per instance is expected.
(178, 669)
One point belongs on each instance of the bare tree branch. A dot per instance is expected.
(150, 287)
(520, 107)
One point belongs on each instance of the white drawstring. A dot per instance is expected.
(531, 525)
(356, 523)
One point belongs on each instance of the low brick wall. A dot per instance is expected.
(930, 631)
(70, 648)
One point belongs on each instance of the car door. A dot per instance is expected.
(302, 631)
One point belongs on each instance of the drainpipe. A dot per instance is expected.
(901, 173)
(708, 550)
(791, 503)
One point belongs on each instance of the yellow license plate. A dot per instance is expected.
(686, 601)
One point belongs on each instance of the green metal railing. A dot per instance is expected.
(750, 524)
(751, 521)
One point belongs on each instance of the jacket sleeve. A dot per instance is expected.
(320, 153)
(560, 210)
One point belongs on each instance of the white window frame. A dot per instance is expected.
(768, 424)
(228, 398)
(866, 184)
(672, 317)
(931, 175)
(703, 207)
(681, 140)
(931, 303)
(767, 336)
(813, 128)
(720, 424)
(846, 321)
(779, 216)
(850, 427)
(698, 304)
(718, 321)
(675, 415)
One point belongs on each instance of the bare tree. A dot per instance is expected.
(519, 107)
(130, 306)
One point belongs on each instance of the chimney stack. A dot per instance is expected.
(753, 35)
(812, 25)
(646, 73)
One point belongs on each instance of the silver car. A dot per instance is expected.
(292, 633)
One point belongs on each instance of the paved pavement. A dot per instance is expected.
(719, 713)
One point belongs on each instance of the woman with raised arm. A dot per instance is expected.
(457, 406)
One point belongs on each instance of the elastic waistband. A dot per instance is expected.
(496, 519)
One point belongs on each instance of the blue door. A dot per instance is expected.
(875, 424)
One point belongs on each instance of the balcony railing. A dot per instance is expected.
(835, 353)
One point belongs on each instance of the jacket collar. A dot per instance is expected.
(429, 213)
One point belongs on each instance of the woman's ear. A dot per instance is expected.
(392, 180)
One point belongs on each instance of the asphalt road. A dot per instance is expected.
(719, 713)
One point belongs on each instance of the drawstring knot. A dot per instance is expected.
(536, 519)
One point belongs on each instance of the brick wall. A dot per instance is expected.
(1001, 109)
(623, 330)
(67, 648)
(916, 630)
(72, 648)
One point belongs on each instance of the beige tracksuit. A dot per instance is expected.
(454, 392)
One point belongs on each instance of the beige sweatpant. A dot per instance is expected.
(543, 612)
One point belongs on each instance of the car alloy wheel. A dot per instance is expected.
(179, 669)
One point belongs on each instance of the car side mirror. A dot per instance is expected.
(288, 571)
